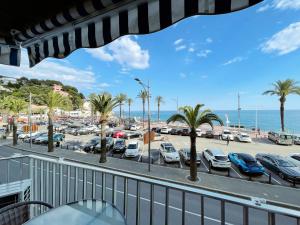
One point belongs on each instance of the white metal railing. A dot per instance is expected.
(59, 181)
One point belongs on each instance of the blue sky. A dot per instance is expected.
(203, 59)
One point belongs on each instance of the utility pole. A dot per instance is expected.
(239, 111)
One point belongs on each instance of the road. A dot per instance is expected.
(233, 213)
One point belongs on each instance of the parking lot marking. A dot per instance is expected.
(180, 164)
(140, 156)
(202, 161)
(236, 172)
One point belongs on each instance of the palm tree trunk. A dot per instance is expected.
(50, 134)
(193, 156)
(103, 144)
(15, 138)
(158, 112)
(282, 115)
(143, 113)
(120, 113)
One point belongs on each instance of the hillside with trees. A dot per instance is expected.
(39, 90)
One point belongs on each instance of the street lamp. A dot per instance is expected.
(176, 100)
(147, 89)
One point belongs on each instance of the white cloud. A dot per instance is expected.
(209, 40)
(182, 75)
(234, 60)
(191, 49)
(178, 41)
(204, 53)
(51, 69)
(281, 5)
(285, 41)
(125, 51)
(180, 47)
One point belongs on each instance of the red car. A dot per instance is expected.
(119, 134)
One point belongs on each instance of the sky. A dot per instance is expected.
(202, 59)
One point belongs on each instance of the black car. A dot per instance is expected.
(278, 164)
(90, 146)
(185, 132)
(119, 146)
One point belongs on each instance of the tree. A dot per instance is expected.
(129, 102)
(121, 98)
(283, 88)
(143, 95)
(55, 100)
(104, 104)
(93, 111)
(193, 118)
(15, 106)
(159, 100)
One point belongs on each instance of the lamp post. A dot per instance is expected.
(176, 100)
(147, 89)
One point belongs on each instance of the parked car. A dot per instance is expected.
(169, 153)
(156, 129)
(294, 158)
(243, 137)
(280, 165)
(185, 132)
(119, 134)
(216, 158)
(26, 135)
(209, 134)
(280, 138)
(246, 163)
(57, 137)
(296, 139)
(199, 132)
(90, 146)
(83, 131)
(119, 146)
(226, 134)
(109, 144)
(69, 130)
(133, 149)
(165, 130)
(34, 136)
(185, 154)
(133, 134)
(174, 131)
(134, 127)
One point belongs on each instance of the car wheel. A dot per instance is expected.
(281, 175)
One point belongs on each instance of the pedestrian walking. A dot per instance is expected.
(227, 140)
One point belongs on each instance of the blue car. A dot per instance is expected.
(246, 163)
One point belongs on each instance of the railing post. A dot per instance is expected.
(137, 218)
(222, 212)
(42, 181)
(114, 190)
(60, 183)
(47, 182)
(183, 209)
(93, 184)
(76, 184)
(8, 172)
(103, 186)
(245, 215)
(202, 210)
(271, 218)
(31, 177)
(68, 184)
(84, 184)
(53, 184)
(151, 203)
(125, 201)
(35, 191)
(167, 207)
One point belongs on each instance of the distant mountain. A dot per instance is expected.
(39, 89)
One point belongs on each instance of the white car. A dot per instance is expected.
(227, 134)
(134, 127)
(243, 137)
(295, 158)
(27, 135)
(133, 149)
(165, 130)
(169, 153)
(199, 132)
(216, 158)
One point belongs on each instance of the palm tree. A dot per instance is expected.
(121, 98)
(283, 88)
(15, 106)
(104, 104)
(143, 95)
(55, 100)
(159, 100)
(193, 118)
(93, 112)
(129, 102)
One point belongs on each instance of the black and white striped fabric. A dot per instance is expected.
(9, 53)
(98, 22)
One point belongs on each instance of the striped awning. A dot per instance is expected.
(9, 53)
(95, 23)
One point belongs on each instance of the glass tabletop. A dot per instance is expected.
(85, 212)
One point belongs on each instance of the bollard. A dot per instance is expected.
(228, 172)
(294, 182)
(209, 168)
(67, 146)
(270, 178)
(250, 177)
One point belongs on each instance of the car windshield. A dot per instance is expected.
(119, 142)
(286, 137)
(170, 149)
(245, 135)
(94, 141)
(227, 132)
(284, 163)
(221, 158)
(132, 146)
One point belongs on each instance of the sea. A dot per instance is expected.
(266, 120)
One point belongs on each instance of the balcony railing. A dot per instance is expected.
(143, 200)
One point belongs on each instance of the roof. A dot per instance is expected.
(56, 28)
(216, 151)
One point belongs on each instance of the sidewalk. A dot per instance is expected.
(273, 193)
